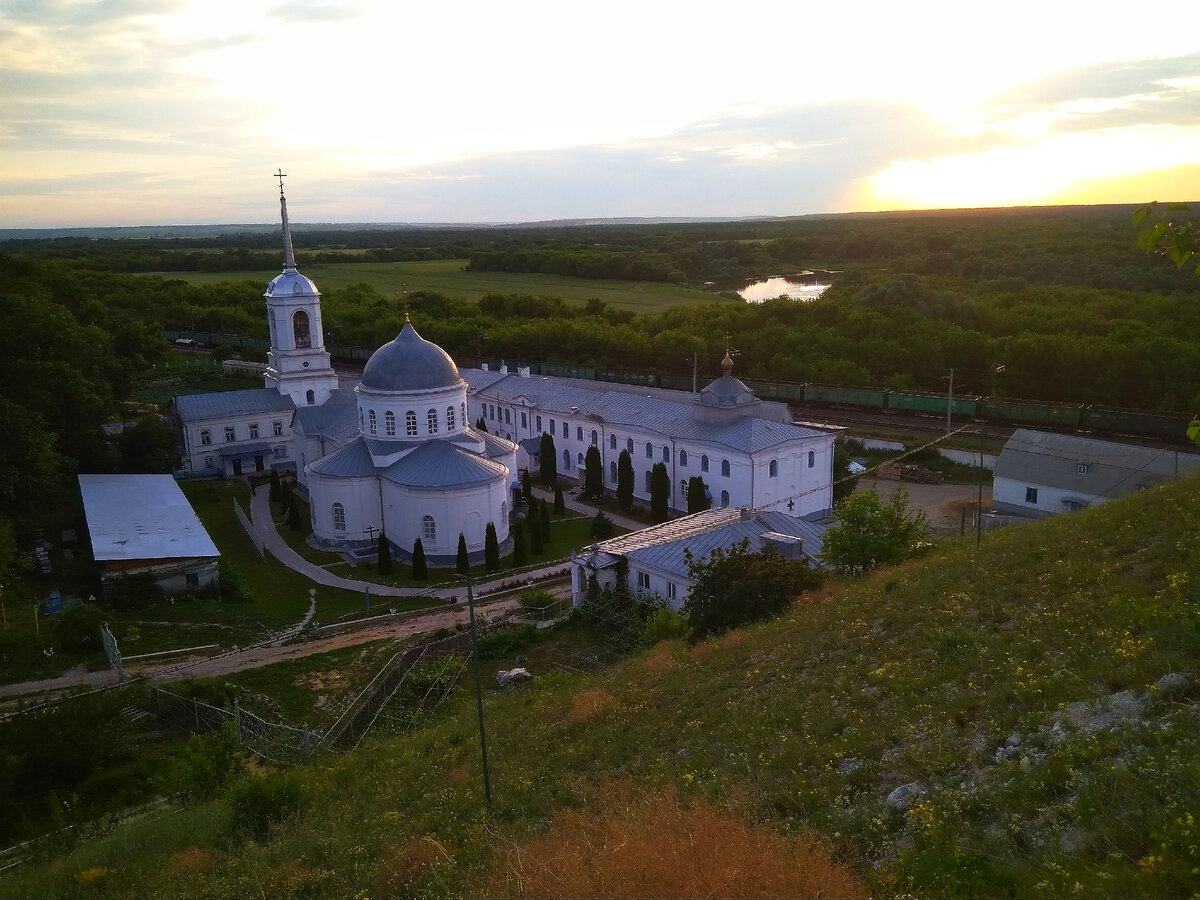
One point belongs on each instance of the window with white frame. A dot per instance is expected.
(1081, 468)
(812, 458)
(205, 437)
(389, 423)
(1031, 495)
(666, 454)
(725, 468)
(772, 469)
(277, 428)
(539, 424)
(253, 431)
(450, 424)
(431, 420)
(629, 447)
(644, 581)
(579, 433)
(595, 438)
(429, 528)
(704, 462)
(410, 423)
(229, 433)
(649, 450)
(670, 590)
(683, 489)
(524, 419)
(208, 462)
(507, 417)
(566, 458)
(683, 459)
(724, 499)
(612, 442)
(581, 460)
(339, 517)
(647, 482)
(372, 422)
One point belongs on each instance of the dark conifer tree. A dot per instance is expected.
(559, 506)
(625, 481)
(548, 460)
(491, 549)
(384, 555)
(518, 536)
(462, 563)
(419, 570)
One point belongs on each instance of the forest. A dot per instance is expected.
(1061, 297)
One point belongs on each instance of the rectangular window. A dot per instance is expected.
(205, 437)
(507, 417)
(644, 580)
(277, 428)
(524, 420)
(1031, 495)
(565, 432)
(539, 425)
(551, 426)
(208, 462)
(1081, 469)
(253, 430)
(278, 452)
(229, 435)
(670, 590)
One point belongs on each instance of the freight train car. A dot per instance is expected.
(786, 391)
(836, 395)
(1135, 421)
(931, 404)
(1031, 412)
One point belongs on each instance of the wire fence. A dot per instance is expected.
(271, 740)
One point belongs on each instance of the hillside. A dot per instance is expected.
(1016, 720)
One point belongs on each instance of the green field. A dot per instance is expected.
(449, 277)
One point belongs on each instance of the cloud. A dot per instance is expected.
(317, 11)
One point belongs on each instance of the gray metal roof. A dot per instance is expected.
(222, 404)
(663, 547)
(410, 363)
(1113, 469)
(352, 461)
(133, 517)
(441, 465)
(336, 417)
(670, 418)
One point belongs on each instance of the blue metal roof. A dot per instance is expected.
(336, 417)
(195, 407)
(410, 363)
(439, 465)
(352, 461)
(133, 517)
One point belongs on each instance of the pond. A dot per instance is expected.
(804, 286)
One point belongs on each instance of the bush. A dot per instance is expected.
(79, 629)
(234, 587)
(131, 592)
(504, 642)
(664, 624)
(259, 804)
(202, 768)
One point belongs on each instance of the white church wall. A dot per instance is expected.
(359, 499)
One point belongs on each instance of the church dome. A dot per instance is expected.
(410, 363)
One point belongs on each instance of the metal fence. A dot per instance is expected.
(270, 740)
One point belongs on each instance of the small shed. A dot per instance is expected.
(144, 523)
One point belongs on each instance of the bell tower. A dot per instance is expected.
(297, 363)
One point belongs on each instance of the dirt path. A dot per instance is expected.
(943, 503)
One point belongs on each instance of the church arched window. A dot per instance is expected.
(431, 421)
(300, 329)
(703, 462)
(647, 482)
(311, 398)
(812, 458)
(450, 426)
(371, 420)
(612, 442)
(773, 469)
(339, 517)
(595, 438)
(580, 460)
(389, 423)
(566, 459)
(612, 471)
(649, 450)
(666, 453)
(504, 511)
(579, 433)
(724, 499)
(629, 447)
(360, 419)
(410, 423)
(725, 467)
(429, 528)
(683, 459)
(462, 407)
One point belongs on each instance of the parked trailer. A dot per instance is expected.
(1031, 412)
(933, 404)
(836, 395)
(1136, 421)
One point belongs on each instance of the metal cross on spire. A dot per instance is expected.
(281, 175)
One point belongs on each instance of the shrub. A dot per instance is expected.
(259, 804)
(131, 592)
(79, 628)
(234, 586)
(664, 624)
(505, 641)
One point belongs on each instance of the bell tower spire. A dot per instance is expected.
(297, 364)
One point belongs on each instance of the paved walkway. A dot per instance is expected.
(264, 525)
(543, 493)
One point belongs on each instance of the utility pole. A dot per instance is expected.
(949, 401)
(487, 784)
(695, 369)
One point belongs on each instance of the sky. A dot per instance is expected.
(126, 112)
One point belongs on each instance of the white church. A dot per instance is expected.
(396, 451)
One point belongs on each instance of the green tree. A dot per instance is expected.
(625, 481)
(420, 571)
(872, 533)
(518, 536)
(660, 493)
(544, 522)
(697, 498)
(1168, 230)
(481, 425)
(532, 520)
(274, 495)
(462, 562)
(593, 475)
(735, 587)
(602, 525)
(383, 555)
(534, 523)
(841, 470)
(560, 507)
(151, 447)
(491, 549)
(548, 460)
(295, 520)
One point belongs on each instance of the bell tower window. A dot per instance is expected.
(300, 329)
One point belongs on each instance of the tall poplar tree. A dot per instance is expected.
(548, 460)
(491, 549)
(660, 493)
(625, 481)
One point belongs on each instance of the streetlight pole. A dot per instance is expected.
(487, 784)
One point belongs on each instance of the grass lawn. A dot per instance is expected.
(448, 277)
(187, 374)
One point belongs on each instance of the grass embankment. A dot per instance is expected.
(1018, 719)
(450, 277)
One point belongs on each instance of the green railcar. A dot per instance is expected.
(933, 404)
(837, 395)
(1137, 421)
(1031, 412)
